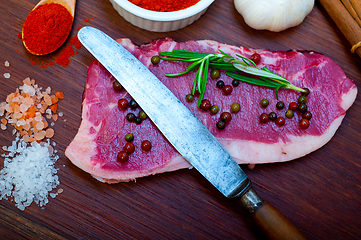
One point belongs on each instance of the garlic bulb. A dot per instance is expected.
(273, 15)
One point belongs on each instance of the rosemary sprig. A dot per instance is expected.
(223, 61)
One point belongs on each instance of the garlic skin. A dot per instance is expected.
(273, 15)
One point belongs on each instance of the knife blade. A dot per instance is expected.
(186, 132)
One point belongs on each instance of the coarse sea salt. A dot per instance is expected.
(29, 173)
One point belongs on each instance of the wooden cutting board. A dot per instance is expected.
(320, 192)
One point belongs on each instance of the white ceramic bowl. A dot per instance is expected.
(160, 21)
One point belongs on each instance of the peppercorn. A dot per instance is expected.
(130, 117)
(280, 121)
(205, 105)
(142, 115)
(221, 125)
(302, 108)
(235, 107)
(190, 98)
(304, 123)
(307, 115)
(214, 109)
(263, 118)
(220, 84)
(133, 104)
(129, 137)
(264, 103)
(272, 116)
(280, 105)
(122, 157)
(289, 114)
(235, 83)
(293, 106)
(129, 148)
(146, 145)
(227, 89)
(307, 91)
(155, 60)
(123, 103)
(117, 86)
(256, 58)
(138, 120)
(302, 99)
(226, 117)
(215, 74)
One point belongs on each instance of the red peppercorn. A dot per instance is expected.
(280, 121)
(146, 145)
(117, 86)
(226, 117)
(256, 58)
(122, 157)
(227, 89)
(307, 115)
(129, 148)
(263, 118)
(304, 123)
(293, 106)
(123, 103)
(205, 105)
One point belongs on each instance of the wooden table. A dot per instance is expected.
(320, 192)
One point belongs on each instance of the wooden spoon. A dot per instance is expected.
(69, 5)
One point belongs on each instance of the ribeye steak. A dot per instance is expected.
(101, 134)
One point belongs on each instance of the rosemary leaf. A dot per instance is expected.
(223, 61)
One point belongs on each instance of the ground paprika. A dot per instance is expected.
(164, 5)
(46, 28)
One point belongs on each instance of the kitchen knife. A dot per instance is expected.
(186, 133)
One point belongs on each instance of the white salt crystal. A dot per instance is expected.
(28, 174)
(7, 63)
(6, 75)
(29, 89)
(60, 114)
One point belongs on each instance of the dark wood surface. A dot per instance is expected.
(320, 192)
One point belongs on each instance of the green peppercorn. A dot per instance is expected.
(130, 117)
(138, 120)
(307, 91)
(220, 84)
(302, 108)
(142, 115)
(221, 125)
(215, 74)
(280, 105)
(235, 107)
(235, 83)
(214, 109)
(289, 114)
(190, 97)
(264, 103)
(129, 137)
(133, 104)
(155, 60)
(302, 99)
(272, 116)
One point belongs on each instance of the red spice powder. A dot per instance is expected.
(164, 5)
(64, 58)
(46, 28)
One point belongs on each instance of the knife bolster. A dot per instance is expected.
(250, 201)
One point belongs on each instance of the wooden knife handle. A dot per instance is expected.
(272, 222)
(276, 225)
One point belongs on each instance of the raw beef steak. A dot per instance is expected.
(103, 127)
